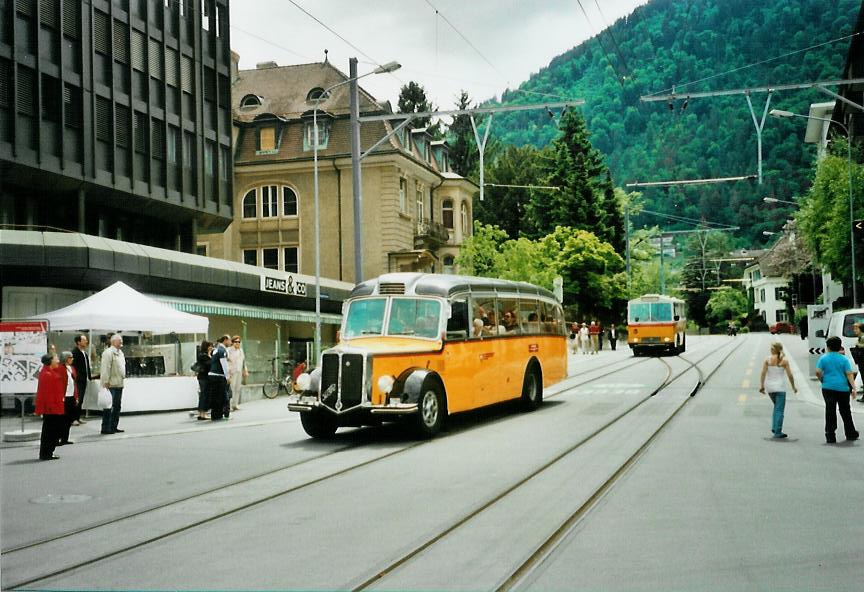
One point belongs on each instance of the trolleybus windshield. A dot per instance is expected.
(645, 312)
(365, 317)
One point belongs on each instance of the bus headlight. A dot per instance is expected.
(385, 384)
(667, 339)
(304, 381)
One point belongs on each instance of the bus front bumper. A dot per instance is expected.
(304, 403)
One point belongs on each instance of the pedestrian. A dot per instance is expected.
(600, 334)
(594, 333)
(202, 366)
(612, 335)
(803, 327)
(217, 383)
(237, 371)
(70, 398)
(771, 381)
(81, 363)
(857, 352)
(584, 339)
(574, 338)
(50, 393)
(299, 369)
(834, 371)
(112, 374)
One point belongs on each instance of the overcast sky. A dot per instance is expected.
(517, 37)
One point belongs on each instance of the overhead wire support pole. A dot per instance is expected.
(753, 89)
(759, 125)
(477, 111)
(481, 146)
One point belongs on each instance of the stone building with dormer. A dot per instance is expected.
(416, 211)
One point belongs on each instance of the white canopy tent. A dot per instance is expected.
(120, 308)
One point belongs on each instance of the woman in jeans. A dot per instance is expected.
(775, 369)
(203, 368)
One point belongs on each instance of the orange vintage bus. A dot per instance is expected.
(424, 346)
(656, 323)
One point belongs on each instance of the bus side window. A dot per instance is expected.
(530, 314)
(457, 324)
(484, 308)
(547, 318)
(510, 316)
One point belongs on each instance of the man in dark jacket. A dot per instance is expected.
(81, 363)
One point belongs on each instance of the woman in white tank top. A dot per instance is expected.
(773, 382)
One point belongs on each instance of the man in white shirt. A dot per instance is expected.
(113, 373)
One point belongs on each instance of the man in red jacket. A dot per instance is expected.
(50, 393)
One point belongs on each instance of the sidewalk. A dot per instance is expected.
(799, 359)
(140, 425)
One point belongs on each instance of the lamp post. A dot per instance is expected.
(388, 67)
(775, 200)
(789, 114)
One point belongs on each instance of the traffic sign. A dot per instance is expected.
(859, 224)
(815, 351)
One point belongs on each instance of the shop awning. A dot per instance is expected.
(230, 309)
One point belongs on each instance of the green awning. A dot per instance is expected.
(229, 309)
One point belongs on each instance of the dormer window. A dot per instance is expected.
(323, 134)
(268, 139)
(250, 102)
(316, 94)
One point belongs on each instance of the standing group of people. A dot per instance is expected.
(837, 376)
(221, 368)
(61, 388)
(589, 338)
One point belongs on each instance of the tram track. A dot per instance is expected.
(93, 529)
(552, 541)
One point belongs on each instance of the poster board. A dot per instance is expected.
(24, 343)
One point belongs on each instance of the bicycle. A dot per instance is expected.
(274, 384)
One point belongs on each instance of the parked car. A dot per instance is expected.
(781, 327)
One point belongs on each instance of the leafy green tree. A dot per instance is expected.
(412, 99)
(460, 136)
(824, 215)
(508, 206)
(726, 304)
(480, 253)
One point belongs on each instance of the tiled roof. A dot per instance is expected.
(283, 91)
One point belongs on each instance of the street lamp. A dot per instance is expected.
(388, 67)
(775, 200)
(789, 114)
(768, 233)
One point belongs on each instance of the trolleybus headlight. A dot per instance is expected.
(385, 384)
(667, 339)
(304, 381)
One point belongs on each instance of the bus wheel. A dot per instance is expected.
(678, 348)
(684, 344)
(318, 424)
(430, 415)
(532, 388)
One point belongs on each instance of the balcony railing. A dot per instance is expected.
(430, 234)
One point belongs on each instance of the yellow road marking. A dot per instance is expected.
(742, 398)
(749, 371)
(745, 383)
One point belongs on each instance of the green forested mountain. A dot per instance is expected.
(669, 43)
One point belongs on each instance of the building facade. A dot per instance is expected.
(416, 211)
(115, 118)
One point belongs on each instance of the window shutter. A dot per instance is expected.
(157, 139)
(141, 140)
(26, 91)
(171, 68)
(6, 83)
(155, 60)
(268, 138)
(100, 32)
(71, 18)
(139, 59)
(103, 120)
(187, 80)
(121, 42)
(123, 126)
(25, 6)
(49, 13)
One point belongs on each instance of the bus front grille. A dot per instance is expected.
(342, 380)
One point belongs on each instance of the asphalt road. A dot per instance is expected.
(636, 492)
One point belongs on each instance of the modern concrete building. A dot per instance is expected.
(416, 211)
(115, 118)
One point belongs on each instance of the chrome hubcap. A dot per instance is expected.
(430, 408)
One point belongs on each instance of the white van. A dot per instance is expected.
(842, 324)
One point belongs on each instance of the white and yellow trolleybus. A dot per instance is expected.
(656, 323)
(420, 347)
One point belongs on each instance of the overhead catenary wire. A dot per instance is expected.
(754, 64)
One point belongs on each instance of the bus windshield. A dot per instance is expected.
(365, 317)
(644, 312)
(417, 317)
